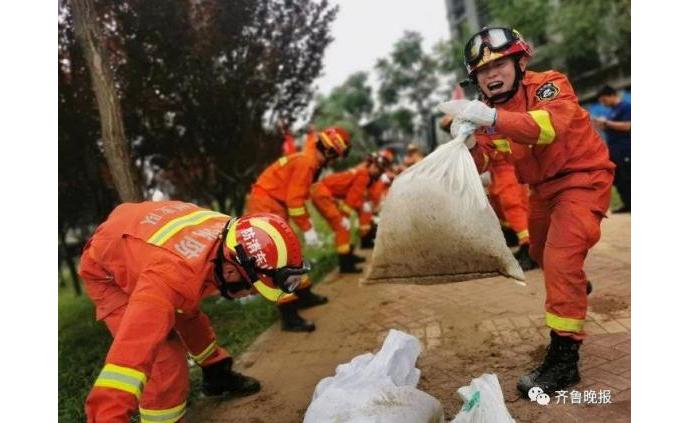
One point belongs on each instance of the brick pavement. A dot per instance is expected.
(468, 328)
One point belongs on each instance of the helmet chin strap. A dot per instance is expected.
(506, 96)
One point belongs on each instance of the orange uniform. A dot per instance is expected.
(508, 197)
(283, 188)
(146, 268)
(339, 195)
(550, 140)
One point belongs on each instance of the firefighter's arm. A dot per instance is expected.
(355, 195)
(617, 126)
(298, 193)
(482, 152)
(147, 321)
(545, 123)
(196, 332)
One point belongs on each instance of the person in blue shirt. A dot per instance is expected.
(616, 126)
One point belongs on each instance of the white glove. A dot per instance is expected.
(367, 207)
(479, 113)
(345, 223)
(385, 179)
(311, 238)
(460, 127)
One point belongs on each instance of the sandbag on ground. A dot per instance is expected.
(437, 225)
(376, 388)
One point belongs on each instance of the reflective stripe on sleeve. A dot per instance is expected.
(282, 161)
(297, 211)
(546, 131)
(523, 234)
(346, 209)
(502, 145)
(121, 378)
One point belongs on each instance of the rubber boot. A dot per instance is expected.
(510, 236)
(306, 298)
(368, 239)
(523, 258)
(347, 265)
(219, 378)
(291, 321)
(355, 258)
(559, 369)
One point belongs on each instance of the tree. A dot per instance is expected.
(115, 145)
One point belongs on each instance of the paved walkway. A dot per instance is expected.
(468, 328)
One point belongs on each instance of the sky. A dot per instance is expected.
(365, 30)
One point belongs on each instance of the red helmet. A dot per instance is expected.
(334, 142)
(268, 252)
(493, 43)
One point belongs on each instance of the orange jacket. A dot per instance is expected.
(159, 254)
(349, 186)
(548, 136)
(288, 181)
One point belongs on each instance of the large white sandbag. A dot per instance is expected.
(437, 225)
(376, 388)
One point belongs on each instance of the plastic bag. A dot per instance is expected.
(483, 402)
(377, 387)
(437, 225)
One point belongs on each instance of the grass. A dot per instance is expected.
(83, 342)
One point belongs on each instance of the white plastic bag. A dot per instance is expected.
(437, 225)
(377, 388)
(483, 402)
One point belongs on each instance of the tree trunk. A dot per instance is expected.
(70, 263)
(112, 129)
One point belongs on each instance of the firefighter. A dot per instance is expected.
(375, 196)
(340, 195)
(146, 268)
(536, 119)
(412, 155)
(283, 189)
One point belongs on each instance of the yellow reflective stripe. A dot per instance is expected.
(168, 415)
(282, 161)
(486, 161)
(176, 225)
(565, 324)
(343, 249)
(523, 234)
(205, 353)
(502, 145)
(546, 131)
(122, 378)
(347, 209)
(297, 211)
(326, 139)
(341, 141)
(231, 237)
(277, 240)
(271, 294)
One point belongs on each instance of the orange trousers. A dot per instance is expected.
(510, 200)
(258, 203)
(562, 231)
(166, 389)
(327, 205)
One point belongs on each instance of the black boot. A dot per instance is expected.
(291, 321)
(355, 258)
(219, 378)
(590, 287)
(347, 265)
(523, 258)
(559, 369)
(510, 236)
(368, 239)
(306, 298)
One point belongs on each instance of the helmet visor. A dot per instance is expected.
(495, 39)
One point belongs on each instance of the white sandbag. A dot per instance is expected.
(437, 225)
(377, 388)
(483, 402)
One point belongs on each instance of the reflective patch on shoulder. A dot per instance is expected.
(548, 91)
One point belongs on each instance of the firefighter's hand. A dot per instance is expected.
(311, 238)
(479, 113)
(345, 223)
(367, 207)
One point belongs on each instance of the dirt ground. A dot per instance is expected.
(467, 329)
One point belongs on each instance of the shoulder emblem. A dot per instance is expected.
(547, 91)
